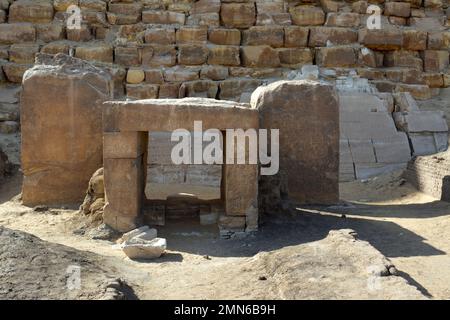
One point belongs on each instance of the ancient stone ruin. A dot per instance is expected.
(303, 67)
(61, 151)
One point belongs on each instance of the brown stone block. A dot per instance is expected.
(232, 89)
(35, 11)
(263, 35)
(127, 144)
(240, 188)
(296, 36)
(163, 17)
(169, 91)
(127, 56)
(435, 60)
(160, 36)
(17, 32)
(14, 72)
(295, 57)
(192, 35)
(259, 56)
(384, 39)
(159, 55)
(414, 40)
(56, 47)
(50, 32)
(142, 91)
(23, 53)
(336, 57)
(124, 190)
(343, 19)
(307, 15)
(309, 154)
(319, 36)
(398, 9)
(61, 133)
(199, 88)
(192, 54)
(238, 15)
(224, 55)
(225, 36)
(100, 53)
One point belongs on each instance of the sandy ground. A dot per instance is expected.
(293, 256)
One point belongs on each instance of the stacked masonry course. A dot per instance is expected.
(225, 49)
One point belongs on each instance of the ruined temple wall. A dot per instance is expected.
(225, 49)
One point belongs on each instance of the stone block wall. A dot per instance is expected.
(226, 48)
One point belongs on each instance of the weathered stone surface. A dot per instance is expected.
(14, 71)
(59, 158)
(336, 57)
(191, 54)
(138, 249)
(214, 72)
(142, 91)
(192, 35)
(199, 88)
(384, 39)
(224, 55)
(35, 11)
(267, 35)
(294, 57)
(163, 17)
(435, 60)
(101, 53)
(343, 19)
(23, 53)
(204, 19)
(420, 92)
(17, 32)
(238, 15)
(159, 55)
(309, 162)
(135, 75)
(225, 36)
(320, 36)
(296, 36)
(414, 39)
(259, 56)
(307, 15)
(160, 36)
(127, 56)
(399, 9)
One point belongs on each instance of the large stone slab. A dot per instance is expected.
(61, 115)
(307, 115)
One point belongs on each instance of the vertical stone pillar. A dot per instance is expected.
(61, 119)
(307, 115)
(124, 170)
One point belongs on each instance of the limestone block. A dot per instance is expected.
(206, 6)
(213, 72)
(418, 91)
(180, 74)
(61, 114)
(192, 35)
(204, 19)
(163, 17)
(124, 190)
(199, 88)
(142, 91)
(14, 72)
(435, 60)
(35, 11)
(160, 36)
(384, 39)
(127, 56)
(238, 15)
(159, 55)
(224, 55)
(232, 89)
(127, 145)
(307, 15)
(362, 151)
(259, 56)
(343, 19)
(336, 57)
(405, 102)
(145, 249)
(23, 53)
(310, 162)
(394, 149)
(169, 90)
(225, 36)
(192, 54)
(295, 57)
(295, 36)
(320, 36)
(17, 32)
(100, 53)
(399, 9)
(154, 76)
(263, 35)
(422, 121)
(415, 39)
(135, 75)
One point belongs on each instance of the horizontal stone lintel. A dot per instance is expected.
(172, 114)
